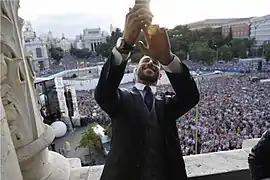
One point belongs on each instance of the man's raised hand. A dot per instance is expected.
(136, 20)
(158, 45)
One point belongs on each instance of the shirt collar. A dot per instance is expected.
(141, 86)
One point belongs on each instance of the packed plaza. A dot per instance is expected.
(231, 108)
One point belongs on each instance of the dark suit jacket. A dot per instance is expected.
(126, 109)
(259, 158)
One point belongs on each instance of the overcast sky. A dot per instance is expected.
(72, 16)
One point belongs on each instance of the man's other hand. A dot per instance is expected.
(136, 19)
(158, 45)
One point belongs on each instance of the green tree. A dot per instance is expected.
(56, 54)
(239, 48)
(103, 49)
(90, 139)
(214, 38)
(200, 51)
(80, 53)
(259, 51)
(266, 49)
(180, 39)
(225, 53)
(114, 36)
(181, 54)
(183, 39)
(229, 37)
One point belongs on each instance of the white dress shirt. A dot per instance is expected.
(141, 87)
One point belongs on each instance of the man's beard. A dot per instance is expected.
(147, 79)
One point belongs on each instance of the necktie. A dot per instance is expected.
(148, 97)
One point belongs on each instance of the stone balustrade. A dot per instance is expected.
(225, 165)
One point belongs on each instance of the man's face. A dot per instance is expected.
(148, 70)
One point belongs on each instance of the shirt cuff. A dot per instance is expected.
(174, 66)
(118, 57)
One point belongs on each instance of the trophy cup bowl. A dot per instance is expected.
(151, 28)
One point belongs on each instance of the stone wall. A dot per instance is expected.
(232, 165)
(9, 166)
(224, 165)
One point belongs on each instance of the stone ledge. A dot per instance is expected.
(75, 162)
(59, 165)
(249, 143)
(217, 162)
(81, 173)
(219, 165)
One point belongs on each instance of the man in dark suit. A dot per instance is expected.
(259, 158)
(145, 143)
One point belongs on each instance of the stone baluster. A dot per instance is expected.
(9, 166)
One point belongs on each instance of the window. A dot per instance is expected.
(38, 52)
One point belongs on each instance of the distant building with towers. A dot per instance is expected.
(63, 43)
(35, 47)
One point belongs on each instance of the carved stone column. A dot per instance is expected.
(59, 85)
(60, 89)
(9, 166)
(76, 116)
(29, 134)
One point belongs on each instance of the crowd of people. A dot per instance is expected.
(231, 109)
(90, 109)
(244, 65)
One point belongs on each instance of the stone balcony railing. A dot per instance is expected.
(224, 165)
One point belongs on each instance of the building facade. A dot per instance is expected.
(91, 38)
(240, 28)
(63, 43)
(260, 29)
(47, 37)
(208, 23)
(36, 48)
(78, 43)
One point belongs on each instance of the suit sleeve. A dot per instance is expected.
(107, 93)
(259, 158)
(187, 94)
